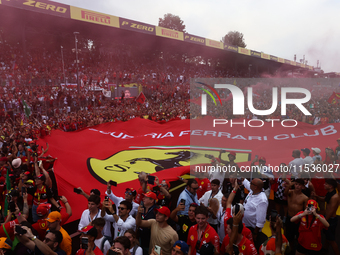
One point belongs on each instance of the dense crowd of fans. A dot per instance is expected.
(214, 214)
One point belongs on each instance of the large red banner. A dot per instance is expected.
(91, 157)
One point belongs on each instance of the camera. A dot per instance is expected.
(84, 243)
(239, 181)
(273, 215)
(309, 208)
(209, 156)
(20, 230)
(113, 183)
(75, 190)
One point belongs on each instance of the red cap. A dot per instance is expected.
(313, 203)
(151, 195)
(27, 173)
(43, 209)
(163, 210)
(40, 176)
(232, 153)
(131, 189)
(4, 159)
(167, 183)
(89, 230)
(263, 159)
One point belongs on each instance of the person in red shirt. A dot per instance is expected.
(203, 186)
(229, 214)
(245, 246)
(144, 187)
(202, 232)
(89, 233)
(311, 223)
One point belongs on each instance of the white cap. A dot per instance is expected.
(317, 150)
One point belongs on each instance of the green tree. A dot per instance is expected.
(172, 21)
(234, 38)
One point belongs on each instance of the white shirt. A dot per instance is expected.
(139, 251)
(85, 220)
(308, 160)
(205, 200)
(255, 208)
(117, 201)
(121, 226)
(106, 247)
(296, 166)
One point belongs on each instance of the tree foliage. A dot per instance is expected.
(234, 38)
(172, 21)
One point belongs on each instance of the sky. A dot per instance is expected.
(279, 28)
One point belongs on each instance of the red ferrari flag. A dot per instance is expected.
(334, 98)
(141, 98)
(115, 151)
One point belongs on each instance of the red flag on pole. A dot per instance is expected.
(141, 98)
(334, 98)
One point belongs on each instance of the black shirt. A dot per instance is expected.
(58, 251)
(146, 232)
(240, 195)
(185, 224)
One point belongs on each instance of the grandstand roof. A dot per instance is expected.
(55, 17)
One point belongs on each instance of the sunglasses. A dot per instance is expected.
(128, 193)
(48, 240)
(195, 188)
(121, 208)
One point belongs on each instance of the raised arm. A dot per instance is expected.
(232, 195)
(67, 205)
(139, 222)
(161, 188)
(174, 212)
(43, 247)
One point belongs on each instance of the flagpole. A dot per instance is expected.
(78, 87)
(62, 60)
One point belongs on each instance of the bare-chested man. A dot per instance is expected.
(332, 200)
(297, 202)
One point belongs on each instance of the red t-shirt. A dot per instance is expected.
(203, 186)
(41, 225)
(96, 251)
(209, 235)
(41, 195)
(9, 226)
(140, 193)
(310, 236)
(245, 247)
(245, 231)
